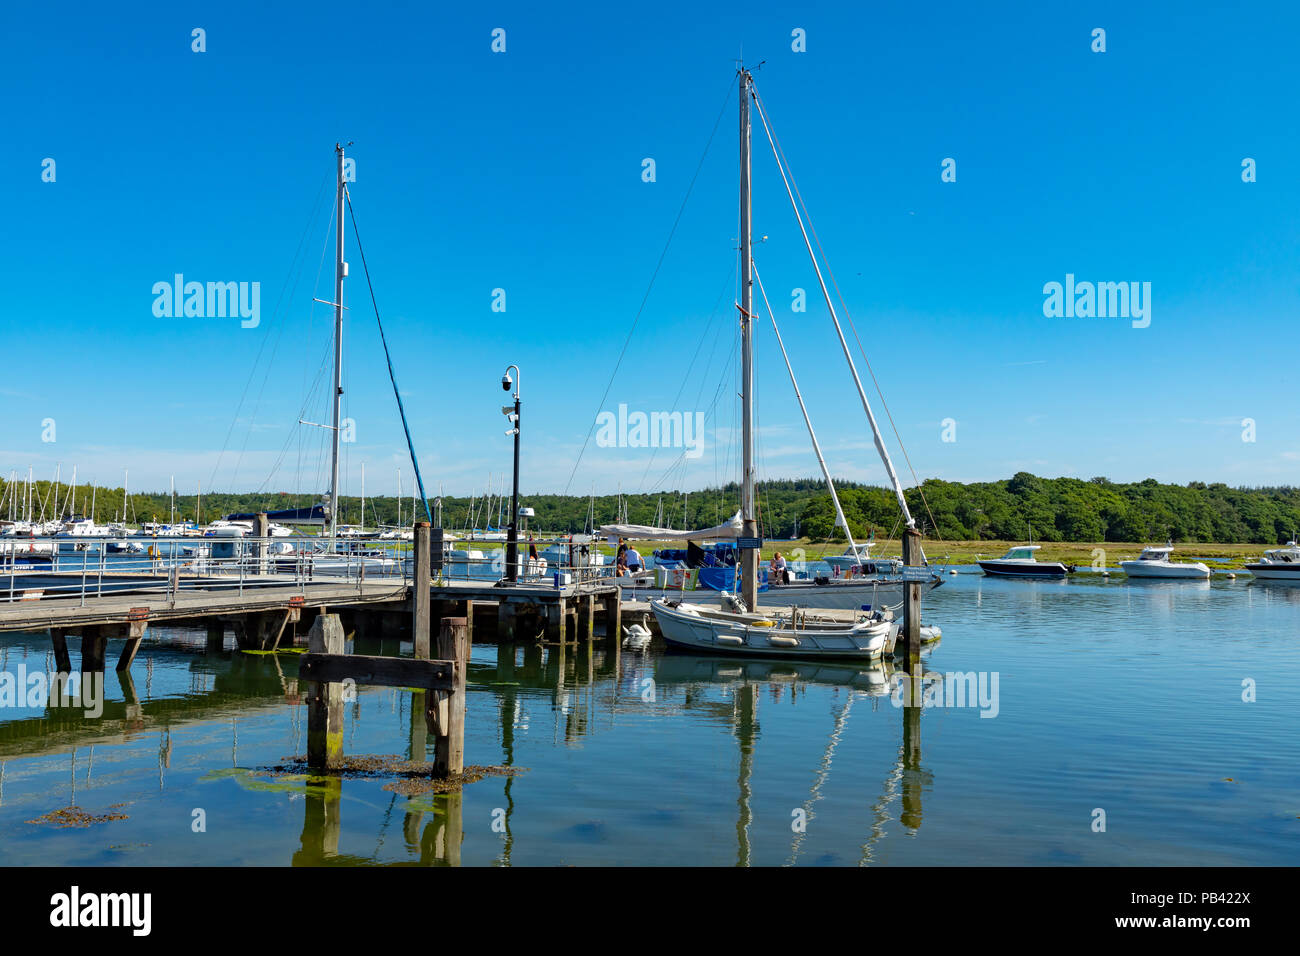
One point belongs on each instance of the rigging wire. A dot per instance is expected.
(646, 298)
(392, 376)
(776, 145)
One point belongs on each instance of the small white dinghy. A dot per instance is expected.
(783, 632)
(1154, 562)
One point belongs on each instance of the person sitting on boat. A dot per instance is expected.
(620, 563)
(778, 571)
(633, 560)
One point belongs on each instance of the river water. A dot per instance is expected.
(1108, 723)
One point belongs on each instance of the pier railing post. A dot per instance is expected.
(912, 599)
(449, 707)
(420, 595)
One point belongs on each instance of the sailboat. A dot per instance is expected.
(737, 626)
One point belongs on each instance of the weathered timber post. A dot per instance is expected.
(419, 725)
(325, 699)
(453, 645)
(62, 660)
(506, 622)
(556, 619)
(216, 637)
(911, 599)
(420, 596)
(93, 644)
(137, 621)
(613, 618)
(586, 628)
(261, 531)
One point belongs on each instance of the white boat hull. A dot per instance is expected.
(1266, 572)
(691, 627)
(841, 596)
(1165, 569)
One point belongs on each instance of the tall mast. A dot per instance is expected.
(340, 270)
(748, 568)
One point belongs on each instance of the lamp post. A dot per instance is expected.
(512, 538)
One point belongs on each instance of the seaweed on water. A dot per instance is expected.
(76, 817)
(413, 777)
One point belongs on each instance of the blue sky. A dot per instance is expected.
(522, 171)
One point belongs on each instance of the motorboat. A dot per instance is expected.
(1279, 564)
(860, 557)
(1154, 562)
(1019, 562)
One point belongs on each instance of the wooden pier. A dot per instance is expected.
(267, 611)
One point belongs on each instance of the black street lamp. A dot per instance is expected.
(512, 538)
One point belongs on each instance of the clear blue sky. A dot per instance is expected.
(523, 171)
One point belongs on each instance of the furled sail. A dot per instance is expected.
(728, 531)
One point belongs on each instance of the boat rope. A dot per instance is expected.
(392, 376)
(646, 298)
(817, 448)
(793, 187)
(866, 404)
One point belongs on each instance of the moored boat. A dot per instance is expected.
(1019, 562)
(1154, 562)
(1278, 564)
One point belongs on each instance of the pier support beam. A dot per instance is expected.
(216, 637)
(556, 618)
(134, 635)
(93, 644)
(506, 622)
(613, 618)
(420, 596)
(586, 627)
(62, 660)
(325, 700)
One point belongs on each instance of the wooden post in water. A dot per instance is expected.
(912, 599)
(325, 699)
(506, 622)
(216, 642)
(62, 660)
(93, 644)
(135, 629)
(420, 596)
(613, 620)
(453, 645)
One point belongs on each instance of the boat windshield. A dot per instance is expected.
(1024, 554)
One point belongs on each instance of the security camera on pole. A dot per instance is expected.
(512, 538)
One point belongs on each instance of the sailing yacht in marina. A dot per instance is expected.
(792, 628)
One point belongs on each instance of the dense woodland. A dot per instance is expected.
(1057, 509)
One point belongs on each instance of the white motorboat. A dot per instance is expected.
(1154, 562)
(787, 632)
(1019, 562)
(1279, 564)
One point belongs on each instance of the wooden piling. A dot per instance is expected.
(261, 531)
(506, 622)
(216, 642)
(325, 699)
(613, 618)
(62, 660)
(912, 599)
(93, 644)
(134, 636)
(453, 645)
(420, 595)
(586, 626)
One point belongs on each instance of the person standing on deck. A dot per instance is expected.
(633, 560)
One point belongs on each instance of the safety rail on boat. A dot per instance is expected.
(75, 567)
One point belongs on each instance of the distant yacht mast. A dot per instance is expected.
(340, 271)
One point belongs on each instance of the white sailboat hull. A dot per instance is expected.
(695, 627)
(840, 596)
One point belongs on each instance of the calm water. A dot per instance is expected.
(1112, 696)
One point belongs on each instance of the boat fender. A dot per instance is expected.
(764, 623)
(780, 641)
(728, 639)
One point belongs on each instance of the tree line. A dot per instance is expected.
(1052, 509)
